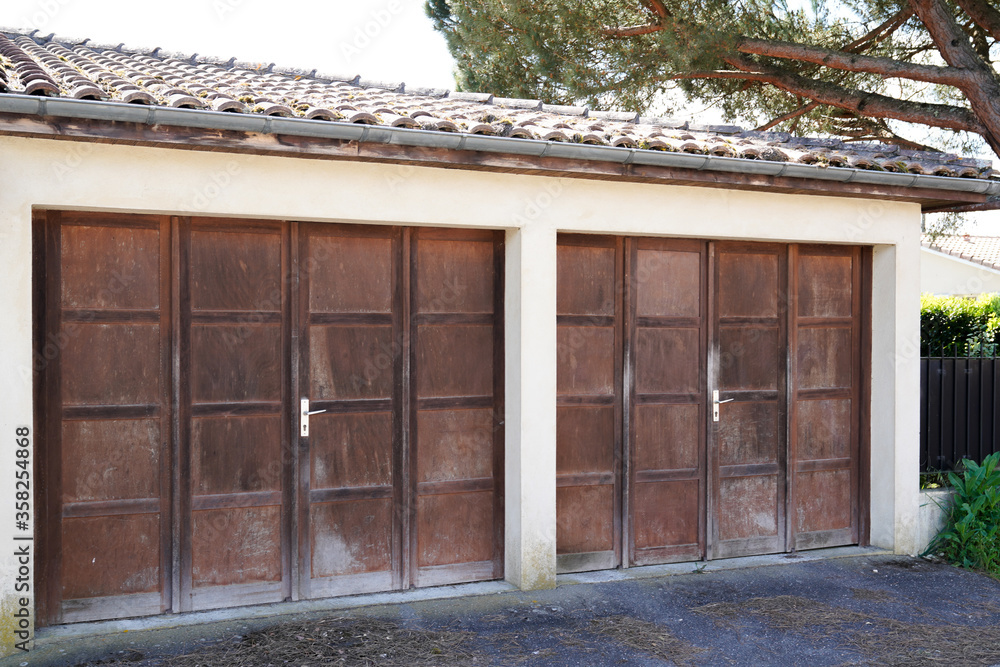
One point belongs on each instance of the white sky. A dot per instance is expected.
(386, 40)
(389, 40)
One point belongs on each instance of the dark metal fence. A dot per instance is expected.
(959, 410)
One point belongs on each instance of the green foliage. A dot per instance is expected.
(959, 326)
(971, 538)
(569, 52)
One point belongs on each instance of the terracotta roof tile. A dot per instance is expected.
(983, 250)
(48, 65)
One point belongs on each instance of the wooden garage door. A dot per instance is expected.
(649, 330)
(402, 350)
(174, 473)
(104, 524)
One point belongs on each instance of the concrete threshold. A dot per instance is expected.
(60, 633)
(48, 637)
(703, 567)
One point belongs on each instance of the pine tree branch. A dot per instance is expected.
(788, 116)
(984, 14)
(657, 7)
(880, 32)
(850, 62)
(861, 102)
(632, 30)
(983, 89)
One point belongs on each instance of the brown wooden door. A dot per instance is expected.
(589, 403)
(235, 413)
(748, 368)
(649, 329)
(401, 477)
(220, 327)
(666, 408)
(104, 470)
(456, 406)
(827, 382)
(351, 361)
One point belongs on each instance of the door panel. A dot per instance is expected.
(749, 361)
(234, 413)
(350, 532)
(104, 513)
(456, 386)
(589, 412)
(826, 395)
(666, 413)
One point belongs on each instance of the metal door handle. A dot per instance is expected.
(304, 413)
(716, 403)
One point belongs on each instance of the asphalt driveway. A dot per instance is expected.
(869, 609)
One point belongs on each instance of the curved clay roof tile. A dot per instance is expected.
(721, 150)
(221, 103)
(321, 113)
(41, 87)
(88, 92)
(592, 139)
(360, 117)
(138, 97)
(481, 128)
(772, 154)
(181, 101)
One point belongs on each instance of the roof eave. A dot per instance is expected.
(378, 134)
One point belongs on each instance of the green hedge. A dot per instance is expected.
(960, 326)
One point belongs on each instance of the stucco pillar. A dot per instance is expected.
(895, 403)
(16, 594)
(530, 423)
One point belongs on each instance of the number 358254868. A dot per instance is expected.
(22, 473)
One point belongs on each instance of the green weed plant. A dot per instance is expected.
(971, 538)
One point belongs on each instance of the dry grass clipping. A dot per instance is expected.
(331, 641)
(885, 640)
(645, 636)
(871, 595)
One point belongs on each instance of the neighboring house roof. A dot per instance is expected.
(983, 250)
(120, 82)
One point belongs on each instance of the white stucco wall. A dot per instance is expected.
(62, 174)
(945, 274)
